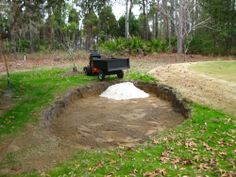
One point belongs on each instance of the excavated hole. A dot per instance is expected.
(83, 120)
(94, 122)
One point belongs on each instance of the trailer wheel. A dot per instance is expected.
(87, 71)
(101, 76)
(120, 74)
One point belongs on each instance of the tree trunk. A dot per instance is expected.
(180, 29)
(130, 13)
(180, 44)
(154, 26)
(127, 20)
(2, 54)
(145, 26)
(165, 22)
(157, 20)
(172, 25)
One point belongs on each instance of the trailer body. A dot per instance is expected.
(106, 66)
(111, 64)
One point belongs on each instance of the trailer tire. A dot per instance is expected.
(101, 76)
(120, 74)
(87, 71)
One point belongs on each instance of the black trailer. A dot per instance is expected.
(106, 66)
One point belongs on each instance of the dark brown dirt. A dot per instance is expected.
(91, 122)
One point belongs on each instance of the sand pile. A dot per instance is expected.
(124, 91)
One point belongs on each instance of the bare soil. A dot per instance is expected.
(92, 122)
(17, 63)
(6, 101)
(100, 122)
(201, 88)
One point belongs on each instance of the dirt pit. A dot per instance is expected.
(100, 122)
(87, 123)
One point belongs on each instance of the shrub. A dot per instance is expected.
(134, 46)
(23, 45)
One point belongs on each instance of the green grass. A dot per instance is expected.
(139, 76)
(225, 70)
(203, 145)
(33, 91)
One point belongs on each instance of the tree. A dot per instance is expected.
(108, 24)
(127, 19)
(134, 26)
(183, 17)
(90, 29)
(222, 23)
(144, 17)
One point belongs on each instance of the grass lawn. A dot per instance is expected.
(225, 70)
(33, 91)
(203, 145)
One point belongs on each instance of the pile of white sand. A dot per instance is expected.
(124, 91)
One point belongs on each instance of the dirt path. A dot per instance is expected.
(92, 122)
(140, 63)
(216, 93)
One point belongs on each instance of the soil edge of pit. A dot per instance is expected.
(165, 92)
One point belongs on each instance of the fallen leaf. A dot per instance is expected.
(190, 143)
(205, 145)
(156, 172)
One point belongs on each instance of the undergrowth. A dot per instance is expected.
(135, 46)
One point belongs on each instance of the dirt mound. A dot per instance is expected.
(123, 91)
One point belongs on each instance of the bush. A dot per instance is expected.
(208, 43)
(201, 45)
(23, 45)
(134, 46)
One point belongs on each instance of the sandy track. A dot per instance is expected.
(213, 92)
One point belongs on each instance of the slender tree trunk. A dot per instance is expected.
(131, 7)
(180, 30)
(146, 30)
(180, 44)
(2, 54)
(165, 22)
(127, 20)
(157, 20)
(172, 25)
(154, 26)
(130, 13)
